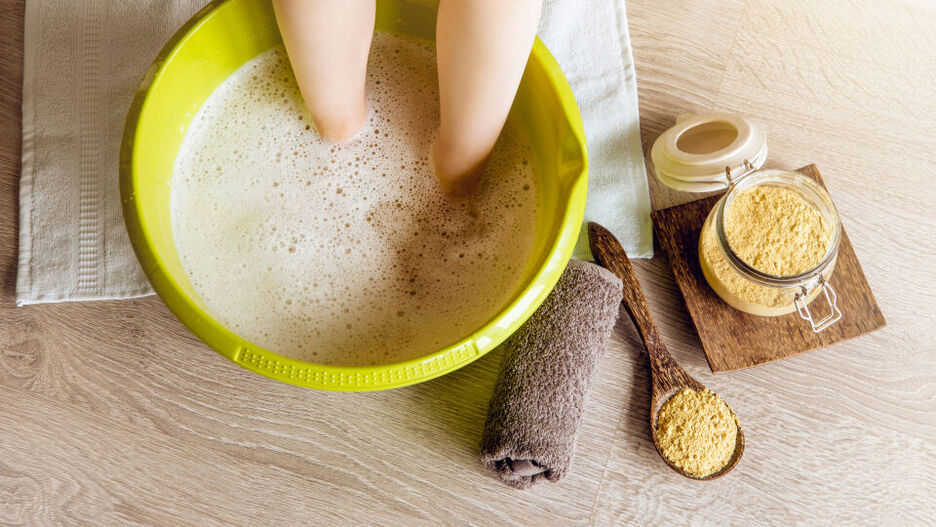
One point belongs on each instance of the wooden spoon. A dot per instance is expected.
(667, 377)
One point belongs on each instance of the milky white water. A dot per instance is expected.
(345, 254)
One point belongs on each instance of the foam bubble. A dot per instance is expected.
(345, 254)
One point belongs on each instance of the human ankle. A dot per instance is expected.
(457, 172)
(341, 128)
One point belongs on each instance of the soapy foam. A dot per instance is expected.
(345, 253)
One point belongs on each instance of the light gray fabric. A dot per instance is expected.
(539, 400)
(592, 46)
(83, 61)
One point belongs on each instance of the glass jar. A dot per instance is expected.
(723, 151)
(753, 291)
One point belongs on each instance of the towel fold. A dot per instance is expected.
(539, 400)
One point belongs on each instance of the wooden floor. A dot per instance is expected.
(101, 423)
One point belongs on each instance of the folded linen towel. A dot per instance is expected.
(83, 61)
(589, 39)
(539, 400)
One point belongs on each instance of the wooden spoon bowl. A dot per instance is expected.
(658, 398)
(667, 377)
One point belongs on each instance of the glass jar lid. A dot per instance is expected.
(700, 152)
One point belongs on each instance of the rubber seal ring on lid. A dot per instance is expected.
(711, 127)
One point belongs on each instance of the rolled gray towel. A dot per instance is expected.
(534, 416)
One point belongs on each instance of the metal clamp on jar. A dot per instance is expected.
(722, 151)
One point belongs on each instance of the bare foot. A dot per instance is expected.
(458, 174)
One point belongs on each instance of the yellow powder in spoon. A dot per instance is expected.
(697, 432)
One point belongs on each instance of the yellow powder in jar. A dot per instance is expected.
(738, 286)
(776, 231)
(697, 432)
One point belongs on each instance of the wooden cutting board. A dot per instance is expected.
(732, 339)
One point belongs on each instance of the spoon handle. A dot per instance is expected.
(610, 255)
